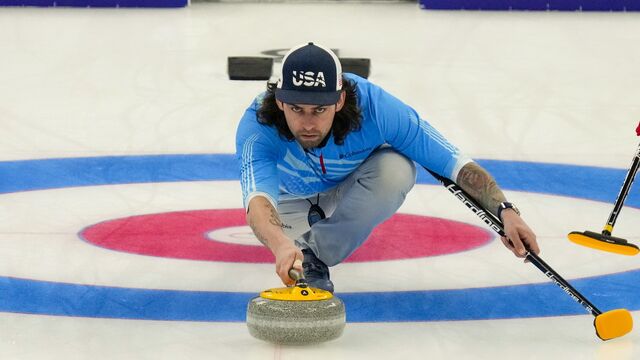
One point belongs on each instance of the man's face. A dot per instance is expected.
(310, 124)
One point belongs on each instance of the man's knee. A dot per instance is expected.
(396, 172)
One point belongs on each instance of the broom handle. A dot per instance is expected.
(626, 186)
(495, 223)
(562, 283)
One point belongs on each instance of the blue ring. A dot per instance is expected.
(518, 301)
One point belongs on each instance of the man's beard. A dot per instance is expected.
(308, 143)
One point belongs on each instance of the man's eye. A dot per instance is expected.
(296, 109)
(320, 110)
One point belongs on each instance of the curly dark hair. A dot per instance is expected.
(346, 120)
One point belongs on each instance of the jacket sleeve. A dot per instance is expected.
(403, 129)
(257, 155)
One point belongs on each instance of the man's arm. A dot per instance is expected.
(478, 183)
(265, 222)
(481, 186)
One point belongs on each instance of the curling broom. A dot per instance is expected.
(609, 325)
(604, 241)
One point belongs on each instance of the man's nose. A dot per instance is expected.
(307, 121)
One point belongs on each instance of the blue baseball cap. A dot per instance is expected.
(311, 74)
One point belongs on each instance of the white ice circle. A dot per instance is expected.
(239, 235)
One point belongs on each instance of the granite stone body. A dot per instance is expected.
(296, 322)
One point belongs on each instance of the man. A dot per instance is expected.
(326, 157)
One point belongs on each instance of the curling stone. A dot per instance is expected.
(297, 315)
(249, 67)
(358, 66)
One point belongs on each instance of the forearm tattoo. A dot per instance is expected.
(481, 186)
(274, 219)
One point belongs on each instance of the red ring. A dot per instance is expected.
(182, 235)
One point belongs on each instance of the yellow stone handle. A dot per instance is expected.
(294, 273)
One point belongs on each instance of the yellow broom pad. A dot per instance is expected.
(605, 243)
(613, 324)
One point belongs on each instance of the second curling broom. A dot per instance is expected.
(604, 241)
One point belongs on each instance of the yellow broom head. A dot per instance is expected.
(603, 242)
(613, 324)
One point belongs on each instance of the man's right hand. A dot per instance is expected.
(286, 254)
(265, 222)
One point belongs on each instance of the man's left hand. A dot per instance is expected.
(520, 237)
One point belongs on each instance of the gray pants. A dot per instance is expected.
(369, 196)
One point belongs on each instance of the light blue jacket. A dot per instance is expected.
(274, 167)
